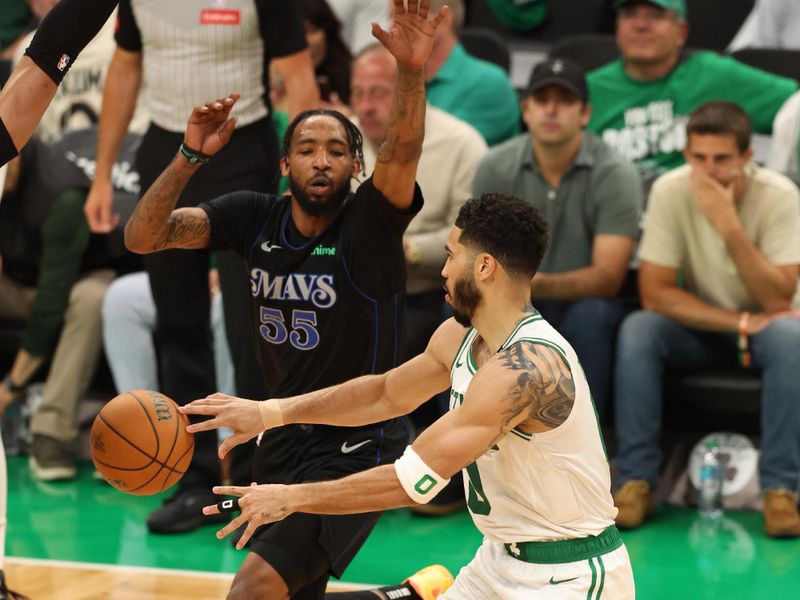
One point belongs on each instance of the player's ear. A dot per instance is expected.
(284, 166)
(356, 168)
(485, 266)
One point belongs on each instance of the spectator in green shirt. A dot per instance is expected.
(590, 196)
(474, 90)
(642, 100)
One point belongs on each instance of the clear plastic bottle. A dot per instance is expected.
(711, 478)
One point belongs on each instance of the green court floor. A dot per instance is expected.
(675, 557)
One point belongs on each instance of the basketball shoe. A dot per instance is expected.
(51, 459)
(7, 594)
(431, 582)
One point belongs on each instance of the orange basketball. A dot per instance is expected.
(139, 442)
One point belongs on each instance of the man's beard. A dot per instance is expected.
(321, 207)
(466, 298)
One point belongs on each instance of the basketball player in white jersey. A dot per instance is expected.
(522, 426)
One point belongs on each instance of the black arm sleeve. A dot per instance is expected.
(127, 35)
(281, 26)
(7, 148)
(64, 32)
(236, 219)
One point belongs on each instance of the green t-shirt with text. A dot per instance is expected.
(645, 121)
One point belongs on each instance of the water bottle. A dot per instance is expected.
(711, 478)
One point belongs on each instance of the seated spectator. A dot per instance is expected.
(356, 17)
(785, 138)
(54, 276)
(519, 15)
(474, 90)
(592, 199)
(718, 276)
(771, 24)
(329, 53)
(129, 324)
(641, 101)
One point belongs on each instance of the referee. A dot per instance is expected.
(183, 54)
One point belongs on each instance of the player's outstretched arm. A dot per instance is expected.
(61, 36)
(410, 40)
(361, 401)
(154, 224)
(527, 385)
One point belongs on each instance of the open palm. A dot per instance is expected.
(210, 126)
(410, 38)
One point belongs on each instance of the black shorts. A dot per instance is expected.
(302, 548)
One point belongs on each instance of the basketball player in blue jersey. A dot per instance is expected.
(327, 277)
(62, 34)
(522, 427)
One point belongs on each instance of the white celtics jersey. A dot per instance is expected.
(542, 486)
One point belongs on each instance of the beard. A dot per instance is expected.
(321, 207)
(466, 298)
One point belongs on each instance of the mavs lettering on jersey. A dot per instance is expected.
(292, 287)
(302, 287)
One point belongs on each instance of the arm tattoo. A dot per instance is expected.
(544, 388)
(152, 219)
(183, 230)
(407, 126)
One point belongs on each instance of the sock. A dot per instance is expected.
(65, 31)
(7, 148)
(392, 592)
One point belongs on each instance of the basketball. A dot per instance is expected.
(139, 442)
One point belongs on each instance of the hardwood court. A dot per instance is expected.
(59, 580)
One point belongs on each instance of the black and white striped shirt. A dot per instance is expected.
(199, 50)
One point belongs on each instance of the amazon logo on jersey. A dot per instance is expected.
(297, 287)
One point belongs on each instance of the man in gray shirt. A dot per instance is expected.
(592, 199)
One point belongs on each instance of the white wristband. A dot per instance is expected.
(271, 414)
(420, 482)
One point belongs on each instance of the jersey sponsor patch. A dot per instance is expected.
(220, 16)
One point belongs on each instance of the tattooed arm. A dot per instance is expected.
(154, 224)
(527, 385)
(410, 40)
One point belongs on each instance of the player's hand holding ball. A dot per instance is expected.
(246, 418)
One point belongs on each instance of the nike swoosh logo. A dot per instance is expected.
(269, 247)
(557, 581)
(348, 449)
(459, 364)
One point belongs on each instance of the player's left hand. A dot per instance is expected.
(238, 414)
(410, 38)
(210, 127)
(259, 505)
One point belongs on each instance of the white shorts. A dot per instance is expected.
(494, 575)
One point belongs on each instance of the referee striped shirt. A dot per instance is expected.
(194, 51)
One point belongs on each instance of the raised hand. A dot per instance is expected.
(410, 38)
(210, 126)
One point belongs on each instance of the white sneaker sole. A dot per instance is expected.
(51, 473)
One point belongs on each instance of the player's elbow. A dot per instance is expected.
(134, 242)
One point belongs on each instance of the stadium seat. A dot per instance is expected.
(775, 60)
(486, 44)
(714, 23)
(591, 50)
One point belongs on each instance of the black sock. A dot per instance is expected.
(391, 592)
(7, 148)
(65, 31)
